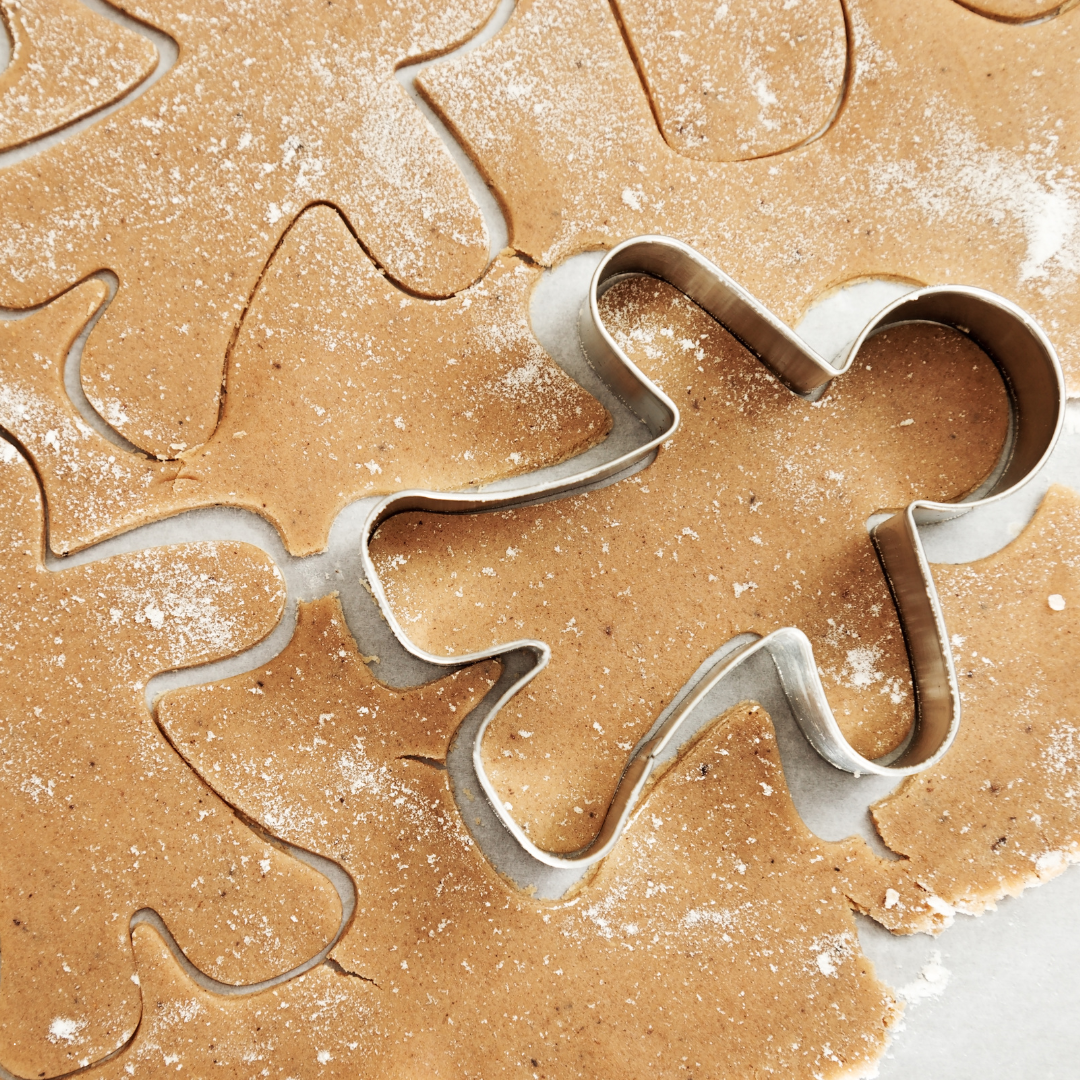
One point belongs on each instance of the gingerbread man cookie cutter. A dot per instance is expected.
(1032, 374)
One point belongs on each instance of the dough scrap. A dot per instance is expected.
(339, 386)
(944, 164)
(1002, 810)
(67, 61)
(270, 108)
(738, 80)
(718, 920)
(323, 1023)
(752, 517)
(98, 815)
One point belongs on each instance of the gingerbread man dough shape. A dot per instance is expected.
(98, 816)
(717, 917)
(752, 517)
(186, 192)
(339, 386)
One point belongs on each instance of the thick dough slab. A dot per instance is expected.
(718, 921)
(1002, 810)
(954, 158)
(741, 79)
(66, 62)
(339, 386)
(752, 517)
(186, 193)
(98, 815)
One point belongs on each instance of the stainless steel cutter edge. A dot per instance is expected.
(1032, 373)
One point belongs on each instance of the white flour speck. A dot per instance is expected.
(61, 1029)
(931, 983)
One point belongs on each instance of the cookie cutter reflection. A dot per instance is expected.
(1032, 374)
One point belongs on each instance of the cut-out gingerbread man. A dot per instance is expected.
(753, 516)
(953, 157)
(98, 815)
(339, 386)
(324, 757)
(185, 193)
(718, 920)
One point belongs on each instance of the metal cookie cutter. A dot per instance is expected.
(1032, 375)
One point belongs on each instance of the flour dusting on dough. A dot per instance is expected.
(966, 178)
(1062, 758)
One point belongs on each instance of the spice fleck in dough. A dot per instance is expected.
(718, 921)
(741, 79)
(270, 108)
(98, 815)
(753, 516)
(66, 62)
(324, 1023)
(339, 386)
(1001, 811)
(953, 159)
